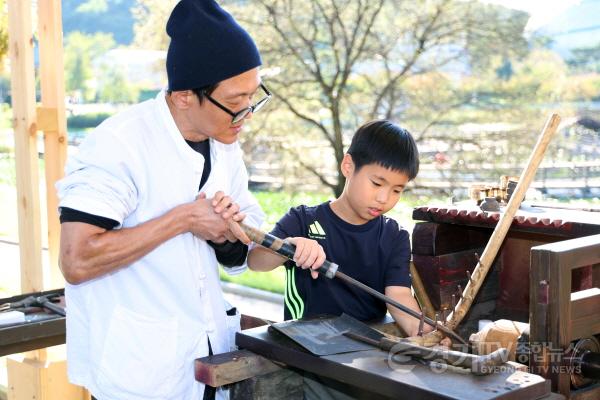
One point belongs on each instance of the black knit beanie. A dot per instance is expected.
(207, 46)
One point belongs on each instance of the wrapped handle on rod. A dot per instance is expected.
(284, 248)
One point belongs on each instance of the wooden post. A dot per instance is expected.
(55, 129)
(38, 376)
(20, 35)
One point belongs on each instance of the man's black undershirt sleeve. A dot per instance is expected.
(230, 254)
(71, 215)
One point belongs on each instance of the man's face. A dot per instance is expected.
(235, 93)
(373, 190)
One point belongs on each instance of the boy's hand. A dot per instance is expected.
(309, 254)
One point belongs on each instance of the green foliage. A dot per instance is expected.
(585, 59)
(93, 7)
(80, 51)
(114, 88)
(3, 33)
(272, 281)
(148, 15)
(5, 116)
(83, 121)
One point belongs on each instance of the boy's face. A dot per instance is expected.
(372, 190)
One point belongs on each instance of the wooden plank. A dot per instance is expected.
(539, 309)
(560, 329)
(26, 155)
(223, 369)
(32, 379)
(52, 85)
(585, 308)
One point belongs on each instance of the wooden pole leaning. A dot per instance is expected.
(491, 250)
(421, 293)
(506, 219)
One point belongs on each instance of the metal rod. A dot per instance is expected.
(422, 322)
(330, 270)
(478, 364)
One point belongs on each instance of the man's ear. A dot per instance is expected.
(182, 99)
(347, 167)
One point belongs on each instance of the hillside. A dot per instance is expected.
(91, 16)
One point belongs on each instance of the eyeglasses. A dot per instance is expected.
(240, 115)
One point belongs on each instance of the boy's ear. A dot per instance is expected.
(347, 167)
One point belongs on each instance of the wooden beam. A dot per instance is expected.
(53, 121)
(47, 119)
(223, 369)
(20, 35)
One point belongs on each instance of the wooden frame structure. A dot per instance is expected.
(28, 120)
(39, 375)
(558, 316)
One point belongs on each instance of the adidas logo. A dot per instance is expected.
(315, 231)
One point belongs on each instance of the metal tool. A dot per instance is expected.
(35, 301)
(479, 365)
(330, 270)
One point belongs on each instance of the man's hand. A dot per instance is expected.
(208, 224)
(309, 254)
(229, 211)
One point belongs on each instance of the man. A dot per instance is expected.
(146, 207)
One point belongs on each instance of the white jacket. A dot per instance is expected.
(134, 333)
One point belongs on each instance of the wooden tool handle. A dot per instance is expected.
(283, 248)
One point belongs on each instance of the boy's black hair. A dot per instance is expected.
(385, 143)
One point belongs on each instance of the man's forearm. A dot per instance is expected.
(88, 252)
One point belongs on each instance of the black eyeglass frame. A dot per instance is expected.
(240, 115)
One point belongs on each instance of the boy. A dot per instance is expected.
(353, 232)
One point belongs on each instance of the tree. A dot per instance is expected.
(343, 62)
(80, 51)
(150, 18)
(585, 59)
(3, 33)
(114, 87)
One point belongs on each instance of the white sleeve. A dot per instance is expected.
(98, 180)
